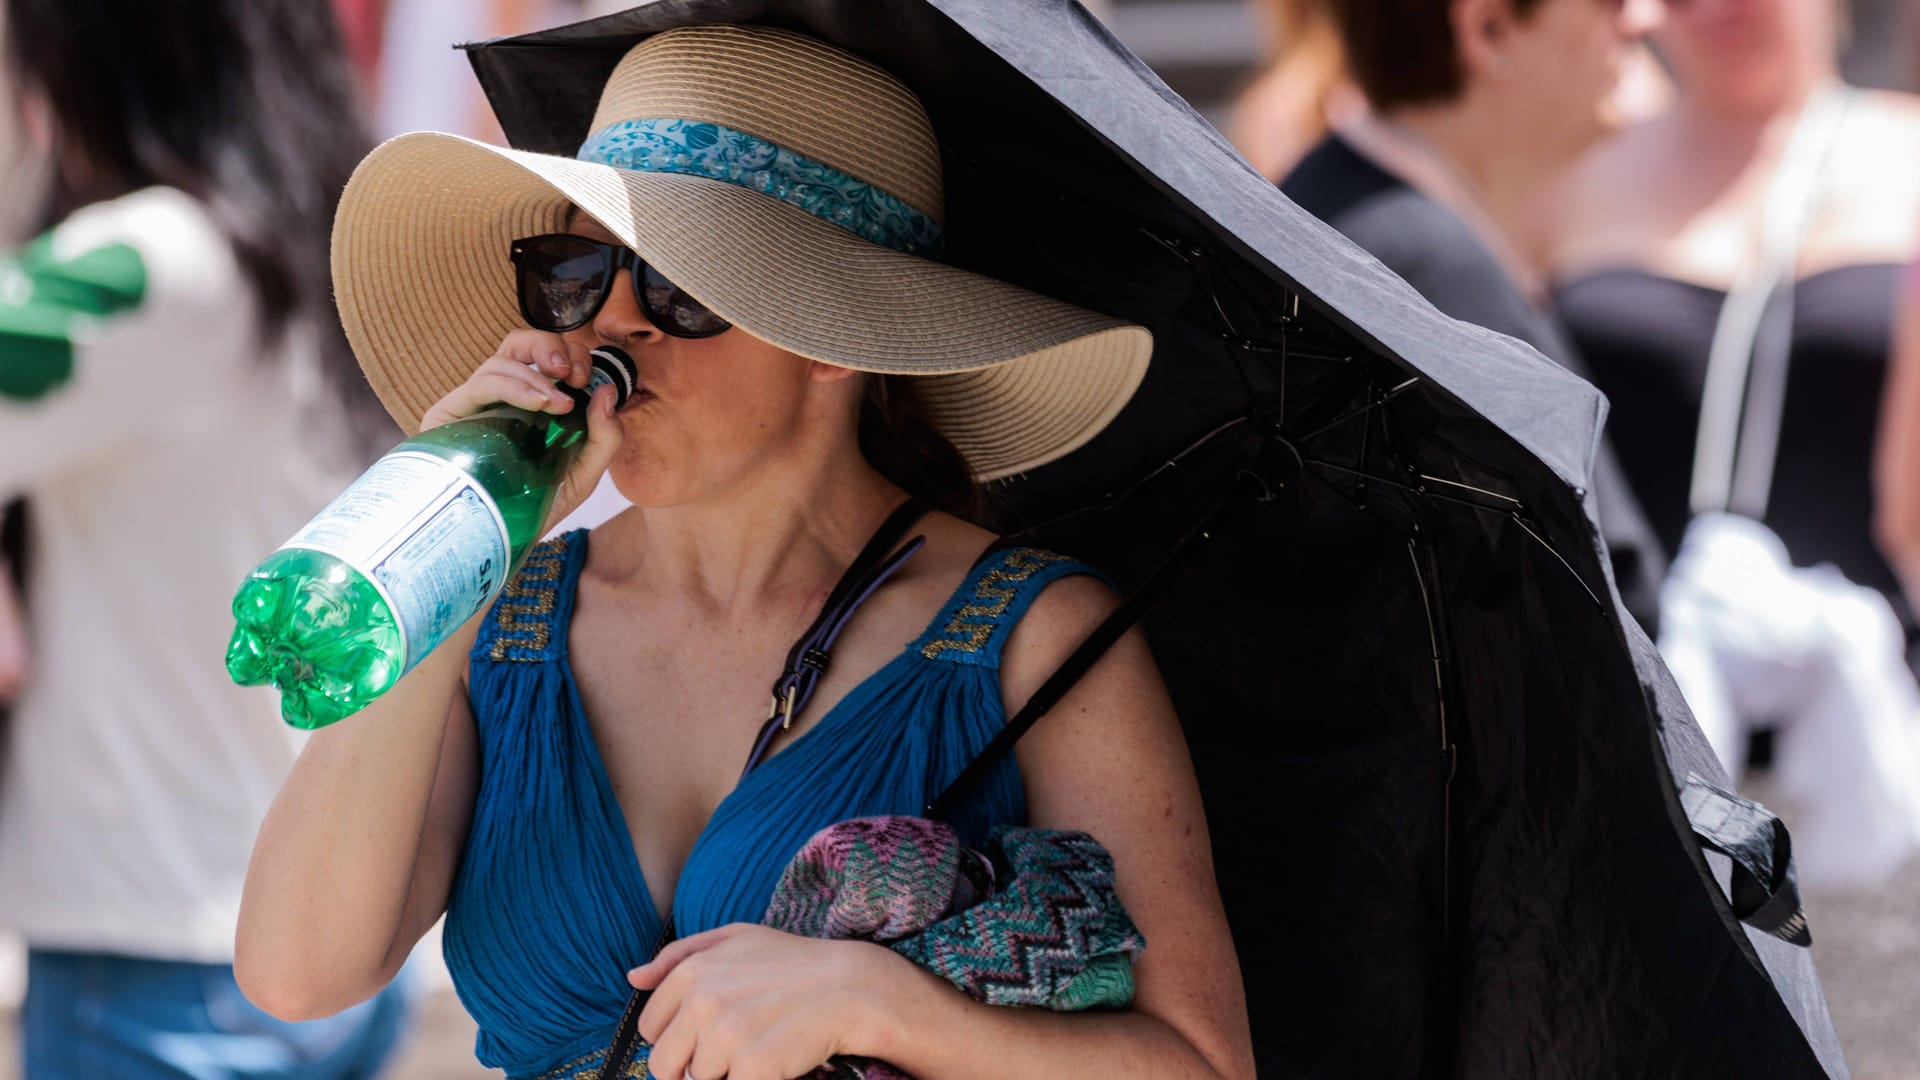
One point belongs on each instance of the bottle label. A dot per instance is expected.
(428, 537)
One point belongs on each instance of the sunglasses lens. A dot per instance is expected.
(673, 311)
(562, 281)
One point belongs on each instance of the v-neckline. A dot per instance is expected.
(604, 778)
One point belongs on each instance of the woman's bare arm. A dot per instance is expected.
(1109, 760)
(357, 854)
(1896, 512)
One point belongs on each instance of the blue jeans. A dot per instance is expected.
(90, 1016)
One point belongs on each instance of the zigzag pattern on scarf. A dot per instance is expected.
(876, 879)
(1032, 921)
(1053, 935)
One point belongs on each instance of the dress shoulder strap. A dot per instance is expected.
(528, 623)
(980, 616)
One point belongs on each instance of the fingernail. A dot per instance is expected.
(560, 360)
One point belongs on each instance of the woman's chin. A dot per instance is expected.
(645, 487)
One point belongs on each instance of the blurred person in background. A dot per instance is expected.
(1305, 93)
(1652, 231)
(1292, 103)
(175, 398)
(23, 178)
(1896, 514)
(1729, 271)
(1473, 106)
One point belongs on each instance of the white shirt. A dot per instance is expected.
(163, 457)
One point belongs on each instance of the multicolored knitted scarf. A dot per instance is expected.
(1033, 920)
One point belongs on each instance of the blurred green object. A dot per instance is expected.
(418, 545)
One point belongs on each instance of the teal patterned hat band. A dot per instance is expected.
(722, 153)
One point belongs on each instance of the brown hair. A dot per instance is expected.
(898, 438)
(1403, 52)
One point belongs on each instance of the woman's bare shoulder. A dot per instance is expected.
(1883, 134)
(1060, 616)
(953, 538)
(1892, 107)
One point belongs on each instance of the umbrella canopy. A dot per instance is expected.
(1463, 821)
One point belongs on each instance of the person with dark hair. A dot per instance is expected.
(175, 396)
(756, 218)
(1475, 105)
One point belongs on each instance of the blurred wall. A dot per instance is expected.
(1206, 50)
(1884, 47)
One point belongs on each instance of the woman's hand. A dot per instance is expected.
(522, 373)
(749, 1003)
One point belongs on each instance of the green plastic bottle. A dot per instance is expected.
(423, 540)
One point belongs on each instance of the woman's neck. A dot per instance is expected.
(782, 532)
(1456, 158)
(1708, 120)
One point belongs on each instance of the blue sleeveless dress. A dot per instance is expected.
(549, 909)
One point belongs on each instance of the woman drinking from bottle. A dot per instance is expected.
(756, 219)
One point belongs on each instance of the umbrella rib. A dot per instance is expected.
(1114, 499)
(1507, 512)
(1392, 392)
(1446, 744)
(1555, 552)
(1477, 490)
(1433, 641)
(1408, 488)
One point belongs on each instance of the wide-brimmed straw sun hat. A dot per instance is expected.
(789, 186)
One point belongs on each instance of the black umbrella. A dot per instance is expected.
(1464, 824)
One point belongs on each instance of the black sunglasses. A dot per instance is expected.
(565, 280)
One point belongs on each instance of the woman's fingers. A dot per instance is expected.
(554, 356)
(669, 1056)
(603, 442)
(501, 379)
(603, 435)
(707, 1062)
(655, 971)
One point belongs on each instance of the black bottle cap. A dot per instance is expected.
(614, 367)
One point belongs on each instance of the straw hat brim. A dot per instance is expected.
(425, 287)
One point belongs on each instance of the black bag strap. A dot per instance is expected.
(1090, 651)
(1765, 894)
(807, 660)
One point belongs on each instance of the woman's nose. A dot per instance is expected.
(621, 319)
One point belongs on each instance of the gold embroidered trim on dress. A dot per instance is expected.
(525, 607)
(990, 599)
(574, 1070)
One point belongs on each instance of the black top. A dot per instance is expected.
(1647, 339)
(1438, 253)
